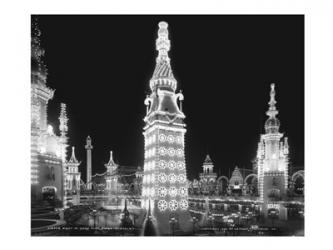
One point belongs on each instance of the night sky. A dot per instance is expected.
(100, 67)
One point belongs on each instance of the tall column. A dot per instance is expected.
(89, 147)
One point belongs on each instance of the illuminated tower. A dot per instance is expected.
(272, 159)
(89, 147)
(164, 182)
(111, 177)
(40, 95)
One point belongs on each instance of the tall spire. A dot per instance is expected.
(272, 111)
(63, 120)
(272, 124)
(163, 76)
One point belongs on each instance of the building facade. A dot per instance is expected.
(48, 151)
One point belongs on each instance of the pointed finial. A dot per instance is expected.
(163, 42)
(272, 112)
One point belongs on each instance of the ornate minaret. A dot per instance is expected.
(164, 181)
(89, 147)
(72, 179)
(272, 157)
(111, 178)
(73, 176)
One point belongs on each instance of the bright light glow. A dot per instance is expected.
(50, 130)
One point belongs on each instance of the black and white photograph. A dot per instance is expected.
(167, 125)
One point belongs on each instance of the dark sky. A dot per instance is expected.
(100, 67)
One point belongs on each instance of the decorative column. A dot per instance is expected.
(88, 147)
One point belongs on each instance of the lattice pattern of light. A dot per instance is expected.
(173, 205)
(162, 205)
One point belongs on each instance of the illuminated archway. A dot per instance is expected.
(297, 180)
(250, 176)
(251, 182)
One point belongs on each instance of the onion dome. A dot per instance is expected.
(272, 124)
(163, 77)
